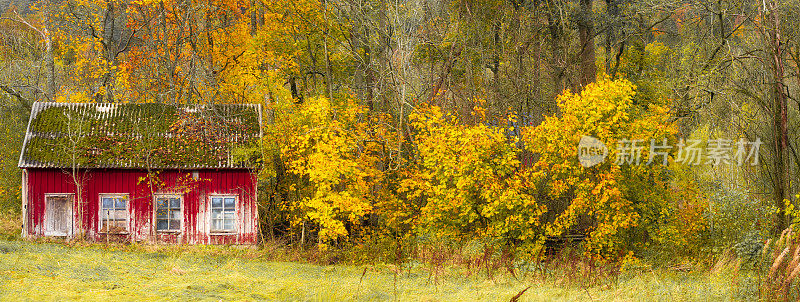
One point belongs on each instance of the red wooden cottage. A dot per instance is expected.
(142, 172)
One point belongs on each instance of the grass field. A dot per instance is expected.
(47, 271)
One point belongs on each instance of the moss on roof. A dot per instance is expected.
(85, 135)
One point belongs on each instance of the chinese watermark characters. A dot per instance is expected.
(714, 152)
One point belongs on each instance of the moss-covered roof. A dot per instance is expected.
(156, 136)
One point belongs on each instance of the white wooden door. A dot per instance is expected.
(58, 215)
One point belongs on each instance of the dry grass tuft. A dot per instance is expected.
(784, 256)
(10, 226)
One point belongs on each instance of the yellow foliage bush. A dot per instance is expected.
(465, 179)
(602, 201)
(468, 182)
(335, 154)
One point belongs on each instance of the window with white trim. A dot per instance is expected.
(168, 213)
(223, 213)
(114, 213)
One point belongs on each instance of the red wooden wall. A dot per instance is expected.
(195, 187)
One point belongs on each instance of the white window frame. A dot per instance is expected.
(70, 201)
(235, 214)
(100, 224)
(155, 211)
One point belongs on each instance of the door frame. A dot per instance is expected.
(70, 214)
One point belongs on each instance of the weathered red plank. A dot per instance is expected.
(140, 206)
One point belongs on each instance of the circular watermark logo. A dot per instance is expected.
(591, 151)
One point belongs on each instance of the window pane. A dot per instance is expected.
(161, 203)
(121, 214)
(216, 224)
(229, 203)
(175, 214)
(174, 225)
(161, 224)
(216, 214)
(161, 214)
(116, 226)
(119, 203)
(216, 202)
(229, 216)
(229, 225)
(108, 203)
(112, 214)
(175, 203)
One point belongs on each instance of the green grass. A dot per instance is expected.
(47, 271)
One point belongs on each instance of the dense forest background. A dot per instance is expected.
(389, 124)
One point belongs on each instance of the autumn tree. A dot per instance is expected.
(468, 182)
(91, 38)
(607, 200)
(336, 156)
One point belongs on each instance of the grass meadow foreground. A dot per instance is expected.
(48, 271)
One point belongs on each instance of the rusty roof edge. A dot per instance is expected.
(115, 105)
(22, 163)
(142, 168)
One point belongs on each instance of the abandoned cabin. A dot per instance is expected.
(158, 173)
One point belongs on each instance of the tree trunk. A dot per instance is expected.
(369, 84)
(254, 12)
(612, 36)
(586, 33)
(781, 164)
(495, 65)
(364, 77)
(50, 66)
(211, 72)
(110, 47)
(328, 71)
(556, 55)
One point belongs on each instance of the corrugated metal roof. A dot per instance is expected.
(149, 135)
